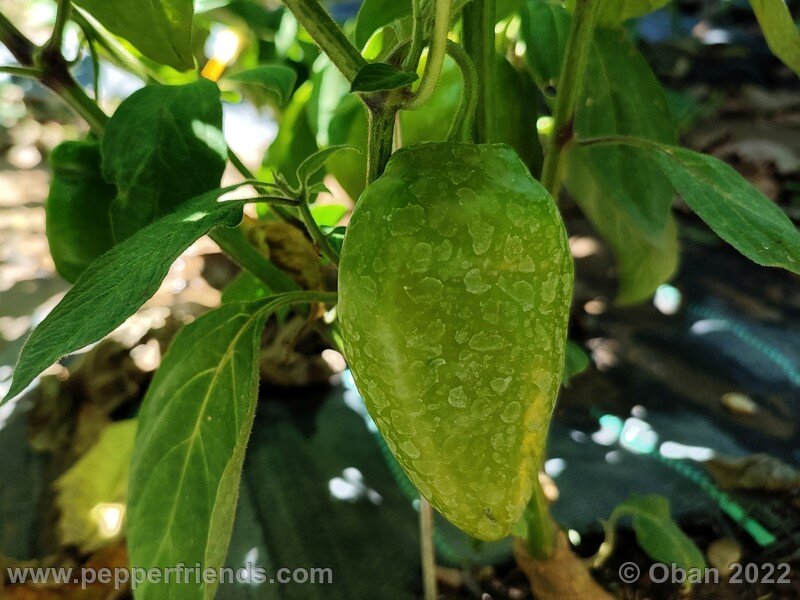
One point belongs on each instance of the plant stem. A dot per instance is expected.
(234, 243)
(328, 36)
(541, 528)
(478, 24)
(21, 71)
(380, 135)
(20, 47)
(114, 50)
(305, 297)
(417, 36)
(248, 174)
(433, 66)
(576, 58)
(62, 16)
(461, 128)
(427, 551)
(74, 95)
(316, 234)
(54, 73)
(346, 57)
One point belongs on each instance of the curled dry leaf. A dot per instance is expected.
(289, 248)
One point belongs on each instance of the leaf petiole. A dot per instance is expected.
(438, 48)
(274, 200)
(21, 71)
(461, 128)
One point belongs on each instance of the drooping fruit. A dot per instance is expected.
(455, 283)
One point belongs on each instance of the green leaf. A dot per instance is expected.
(97, 482)
(295, 140)
(505, 8)
(163, 145)
(248, 288)
(318, 188)
(620, 94)
(625, 196)
(335, 236)
(312, 165)
(194, 426)
(515, 113)
(276, 78)
(575, 363)
(544, 29)
(376, 77)
(162, 30)
(193, 430)
(349, 126)
(245, 288)
(118, 283)
(615, 12)
(782, 35)
(328, 215)
(375, 14)
(330, 87)
(657, 534)
(201, 6)
(643, 262)
(78, 222)
(734, 209)
(623, 97)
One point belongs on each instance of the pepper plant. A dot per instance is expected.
(455, 276)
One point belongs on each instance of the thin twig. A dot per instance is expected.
(427, 550)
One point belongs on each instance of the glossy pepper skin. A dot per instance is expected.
(455, 283)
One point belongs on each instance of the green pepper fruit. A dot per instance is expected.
(77, 211)
(515, 122)
(455, 284)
